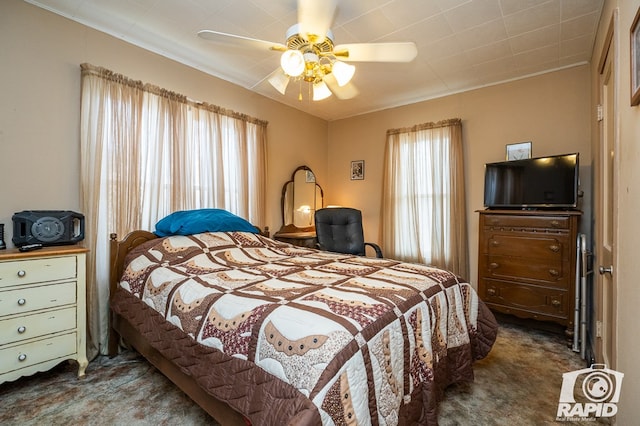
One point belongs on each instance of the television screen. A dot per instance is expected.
(545, 182)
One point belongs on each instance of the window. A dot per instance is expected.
(424, 217)
(147, 152)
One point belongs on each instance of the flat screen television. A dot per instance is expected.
(534, 183)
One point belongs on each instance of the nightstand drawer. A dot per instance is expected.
(17, 329)
(31, 271)
(25, 355)
(33, 298)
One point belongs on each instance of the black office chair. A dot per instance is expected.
(339, 229)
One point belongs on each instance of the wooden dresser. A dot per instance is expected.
(42, 310)
(527, 263)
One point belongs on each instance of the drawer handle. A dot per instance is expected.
(554, 272)
(22, 273)
(556, 302)
(21, 302)
(555, 223)
(491, 291)
(22, 357)
(22, 329)
(554, 248)
(494, 265)
(495, 243)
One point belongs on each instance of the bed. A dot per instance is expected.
(263, 332)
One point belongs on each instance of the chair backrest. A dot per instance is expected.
(339, 229)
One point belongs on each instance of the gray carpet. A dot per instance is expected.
(517, 384)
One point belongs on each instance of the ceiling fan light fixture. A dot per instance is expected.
(310, 55)
(292, 62)
(311, 60)
(280, 81)
(343, 72)
(320, 91)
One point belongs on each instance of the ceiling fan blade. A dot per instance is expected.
(239, 41)
(377, 52)
(347, 91)
(315, 17)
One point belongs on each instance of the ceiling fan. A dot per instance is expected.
(310, 55)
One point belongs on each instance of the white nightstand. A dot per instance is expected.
(42, 310)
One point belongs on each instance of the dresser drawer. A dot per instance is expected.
(523, 222)
(528, 245)
(17, 329)
(25, 355)
(532, 301)
(31, 271)
(22, 300)
(554, 272)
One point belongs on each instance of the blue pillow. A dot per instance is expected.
(189, 222)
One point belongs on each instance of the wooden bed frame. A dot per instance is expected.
(121, 328)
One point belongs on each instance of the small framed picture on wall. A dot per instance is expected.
(518, 151)
(357, 170)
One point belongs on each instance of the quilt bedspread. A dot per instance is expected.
(356, 340)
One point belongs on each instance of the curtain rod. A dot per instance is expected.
(88, 69)
(425, 126)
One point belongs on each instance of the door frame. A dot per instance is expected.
(608, 56)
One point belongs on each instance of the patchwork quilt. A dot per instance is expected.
(291, 335)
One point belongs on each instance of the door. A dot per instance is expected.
(606, 199)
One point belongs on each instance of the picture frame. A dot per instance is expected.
(518, 151)
(310, 177)
(634, 34)
(357, 170)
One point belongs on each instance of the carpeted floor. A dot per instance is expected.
(517, 384)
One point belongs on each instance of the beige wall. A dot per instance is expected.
(626, 265)
(551, 110)
(40, 61)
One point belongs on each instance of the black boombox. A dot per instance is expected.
(47, 227)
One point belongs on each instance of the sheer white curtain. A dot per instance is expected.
(424, 213)
(146, 152)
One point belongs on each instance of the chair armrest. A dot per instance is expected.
(376, 248)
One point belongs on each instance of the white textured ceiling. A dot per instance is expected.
(462, 44)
